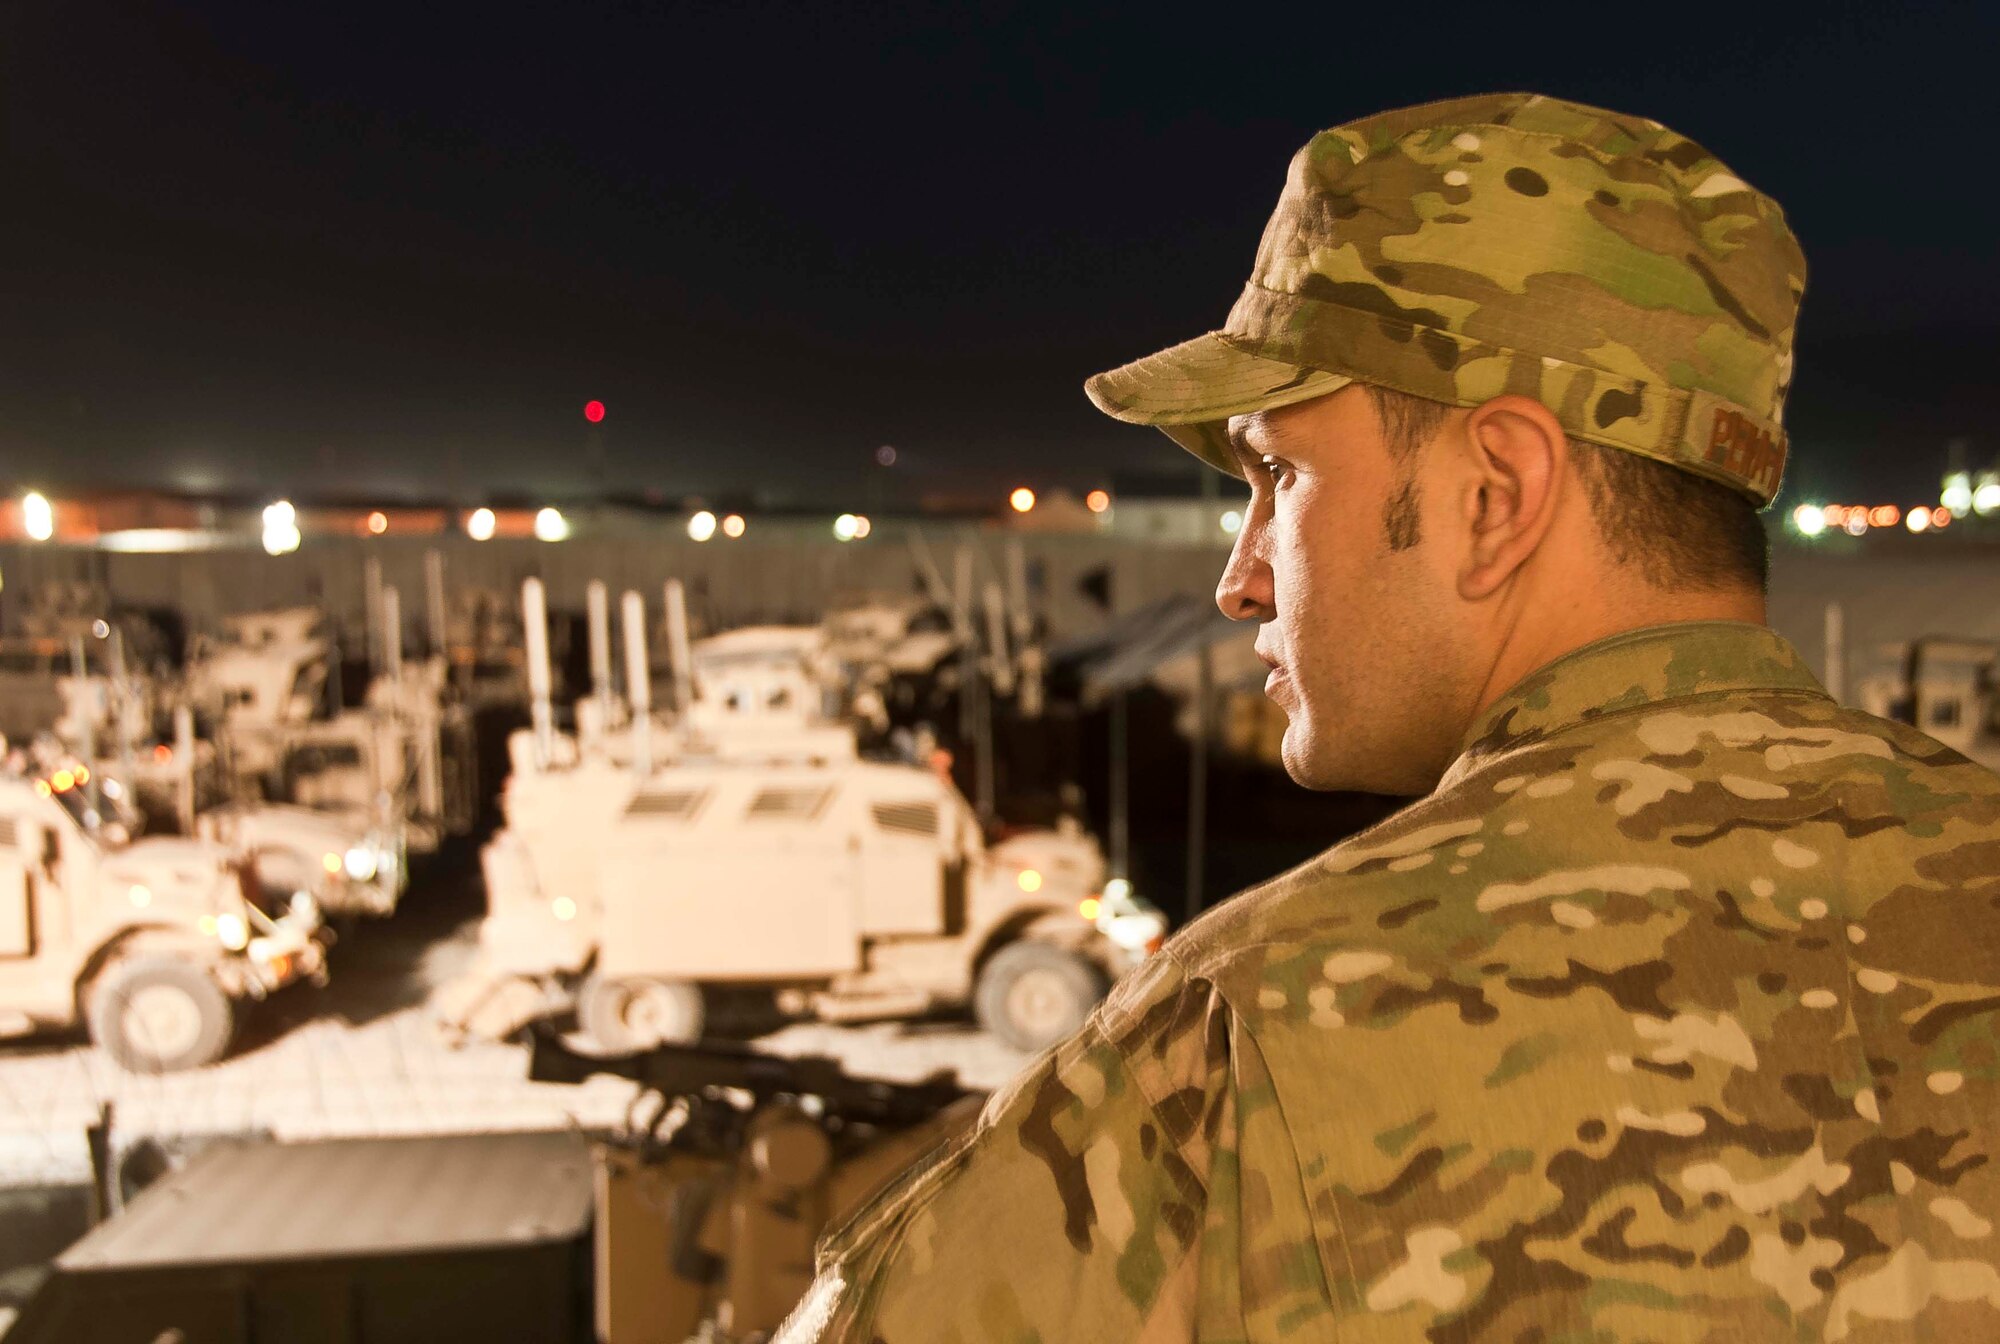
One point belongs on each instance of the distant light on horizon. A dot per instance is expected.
(885, 456)
(702, 526)
(1809, 519)
(1232, 522)
(1986, 498)
(593, 411)
(550, 525)
(1957, 494)
(281, 528)
(38, 516)
(1022, 500)
(1097, 501)
(733, 526)
(1919, 519)
(480, 523)
(378, 522)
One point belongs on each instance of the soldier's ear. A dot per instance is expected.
(1517, 456)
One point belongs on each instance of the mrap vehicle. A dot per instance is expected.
(850, 888)
(153, 942)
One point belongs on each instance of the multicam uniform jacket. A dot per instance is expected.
(1672, 1015)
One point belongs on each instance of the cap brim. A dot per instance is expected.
(1190, 390)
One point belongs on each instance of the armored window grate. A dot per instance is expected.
(788, 804)
(909, 818)
(674, 804)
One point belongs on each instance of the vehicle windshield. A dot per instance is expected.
(93, 814)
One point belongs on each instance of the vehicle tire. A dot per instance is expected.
(155, 1014)
(633, 1013)
(1032, 994)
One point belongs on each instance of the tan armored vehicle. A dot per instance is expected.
(153, 943)
(850, 888)
(402, 766)
(1955, 695)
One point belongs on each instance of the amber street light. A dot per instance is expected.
(1022, 499)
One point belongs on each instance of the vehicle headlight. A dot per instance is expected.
(234, 933)
(361, 863)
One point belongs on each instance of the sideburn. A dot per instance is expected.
(1400, 516)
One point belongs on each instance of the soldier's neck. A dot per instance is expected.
(1583, 613)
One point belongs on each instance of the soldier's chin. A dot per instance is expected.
(1310, 764)
(1319, 764)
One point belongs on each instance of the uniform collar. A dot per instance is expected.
(1638, 669)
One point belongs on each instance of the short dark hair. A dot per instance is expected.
(1679, 530)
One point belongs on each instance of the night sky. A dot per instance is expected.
(391, 249)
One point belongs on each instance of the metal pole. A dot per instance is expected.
(434, 616)
(535, 630)
(1121, 807)
(1836, 651)
(680, 652)
(1000, 666)
(968, 653)
(1197, 852)
(392, 636)
(1026, 651)
(184, 758)
(371, 614)
(121, 700)
(638, 681)
(598, 599)
(983, 740)
(79, 667)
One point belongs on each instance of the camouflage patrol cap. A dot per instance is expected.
(1602, 264)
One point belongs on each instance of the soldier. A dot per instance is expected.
(1672, 1012)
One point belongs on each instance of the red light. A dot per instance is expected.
(593, 411)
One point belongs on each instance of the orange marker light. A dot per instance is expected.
(1022, 500)
(378, 522)
(62, 781)
(1097, 501)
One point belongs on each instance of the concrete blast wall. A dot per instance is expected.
(1888, 593)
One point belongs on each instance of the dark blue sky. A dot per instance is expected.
(397, 246)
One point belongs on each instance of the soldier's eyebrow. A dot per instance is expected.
(1240, 432)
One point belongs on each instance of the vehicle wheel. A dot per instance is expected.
(1032, 994)
(637, 1013)
(159, 1015)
